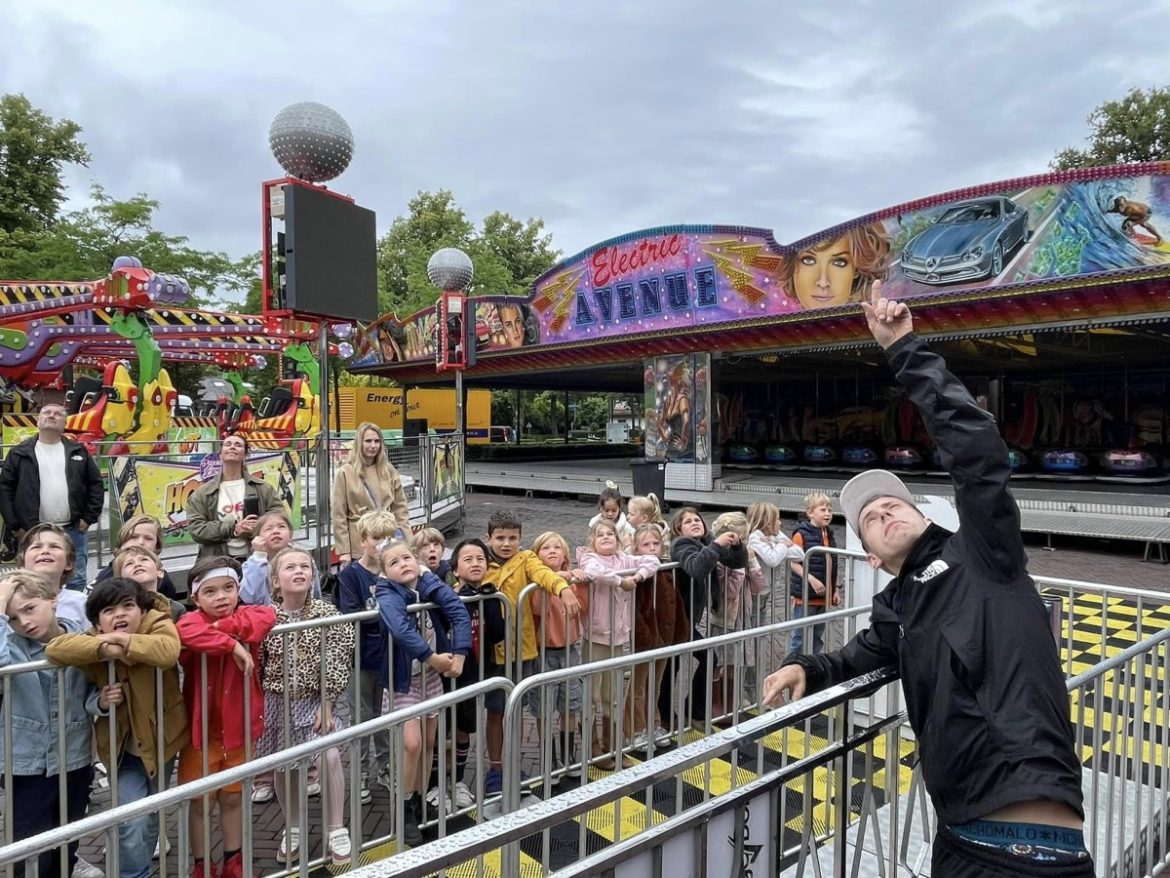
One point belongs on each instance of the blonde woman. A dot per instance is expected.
(366, 482)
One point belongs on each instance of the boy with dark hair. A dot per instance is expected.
(510, 569)
(965, 626)
(223, 636)
(133, 627)
(469, 564)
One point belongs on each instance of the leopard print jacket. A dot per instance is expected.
(305, 652)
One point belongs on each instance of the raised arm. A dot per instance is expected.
(969, 443)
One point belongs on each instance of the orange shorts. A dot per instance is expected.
(218, 759)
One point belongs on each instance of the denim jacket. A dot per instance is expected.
(36, 701)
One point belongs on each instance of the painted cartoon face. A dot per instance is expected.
(824, 275)
(512, 323)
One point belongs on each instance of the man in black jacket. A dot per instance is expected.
(967, 630)
(49, 478)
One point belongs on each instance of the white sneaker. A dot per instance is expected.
(434, 795)
(339, 846)
(290, 845)
(641, 741)
(158, 844)
(83, 869)
(313, 789)
(462, 796)
(661, 736)
(262, 793)
(364, 795)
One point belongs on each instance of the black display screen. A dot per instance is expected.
(331, 256)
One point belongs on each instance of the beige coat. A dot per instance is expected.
(351, 501)
(154, 645)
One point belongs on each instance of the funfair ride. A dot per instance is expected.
(135, 314)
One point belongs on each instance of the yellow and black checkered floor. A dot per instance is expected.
(1101, 628)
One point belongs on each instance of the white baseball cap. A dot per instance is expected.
(861, 490)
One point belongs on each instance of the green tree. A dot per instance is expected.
(592, 412)
(1134, 129)
(83, 245)
(34, 148)
(507, 254)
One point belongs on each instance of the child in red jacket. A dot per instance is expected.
(222, 636)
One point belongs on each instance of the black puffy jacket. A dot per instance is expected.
(695, 578)
(966, 628)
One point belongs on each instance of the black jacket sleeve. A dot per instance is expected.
(866, 652)
(8, 492)
(696, 560)
(95, 491)
(971, 450)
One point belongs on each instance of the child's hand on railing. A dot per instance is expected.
(243, 659)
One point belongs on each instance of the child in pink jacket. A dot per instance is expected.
(608, 630)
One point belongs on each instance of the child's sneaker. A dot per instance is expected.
(234, 867)
(436, 799)
(84, 869)
(384, 778)
(290, 845)
(339, 846)
(493, 782)
(198, 870)
(364, 790)
(313, 789)
(262, 793)
(462, 796)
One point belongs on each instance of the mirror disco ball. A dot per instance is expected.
(450, 269)
(311, 141)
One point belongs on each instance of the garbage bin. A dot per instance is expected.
(649, 476)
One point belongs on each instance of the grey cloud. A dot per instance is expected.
(601, 117)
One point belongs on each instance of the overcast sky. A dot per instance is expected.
(600, 117)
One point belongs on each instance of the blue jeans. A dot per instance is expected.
(80, 559)
(136, 838)
(818, 631)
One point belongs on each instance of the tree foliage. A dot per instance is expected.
(1134, 129)
(34, 148)
(83, 244)
(508, 254)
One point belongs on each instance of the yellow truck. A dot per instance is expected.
(384, 406)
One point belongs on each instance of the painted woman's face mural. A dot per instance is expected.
(512, 322)
(823, 275)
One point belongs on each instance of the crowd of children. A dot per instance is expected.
(495, 609)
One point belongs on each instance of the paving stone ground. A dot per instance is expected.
(1113, 562)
